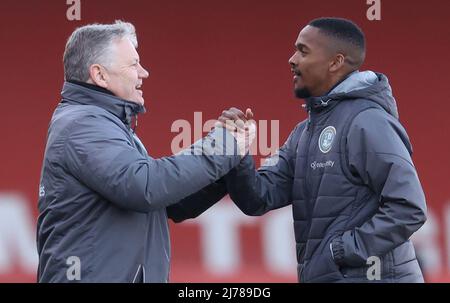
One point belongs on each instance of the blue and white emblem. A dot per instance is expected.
(326, 139)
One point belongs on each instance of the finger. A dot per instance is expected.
(223, 119)
(237, 112)
(249, 114)
(230, 115)
(223, 122)
(230, 125)
(240, 124)
(230, 128)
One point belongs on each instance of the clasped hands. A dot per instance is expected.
(240, 125)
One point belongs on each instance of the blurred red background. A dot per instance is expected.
(206, 56)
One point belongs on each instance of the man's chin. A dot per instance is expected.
(302, 93)
(139, 100)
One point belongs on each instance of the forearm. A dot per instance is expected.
(257, 192)
(138, 183)
(194, 205)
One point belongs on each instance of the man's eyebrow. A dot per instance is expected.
(301, 45)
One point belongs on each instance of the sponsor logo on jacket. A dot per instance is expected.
(316, 164)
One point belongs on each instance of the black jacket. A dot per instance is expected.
(355, 193)
(103, 199)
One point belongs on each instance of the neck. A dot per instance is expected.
(334, 82)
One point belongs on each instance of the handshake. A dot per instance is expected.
(240, 125)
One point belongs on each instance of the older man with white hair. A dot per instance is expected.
(103, 201)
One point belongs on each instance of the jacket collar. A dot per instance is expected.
(78, 94)
(354, 81)
(92, 86)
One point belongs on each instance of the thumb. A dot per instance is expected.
(249, 114)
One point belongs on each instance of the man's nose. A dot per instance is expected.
(143, 73)
(291, 61)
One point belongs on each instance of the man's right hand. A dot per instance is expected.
(242, 127)
(234, 119)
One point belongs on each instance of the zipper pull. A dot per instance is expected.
(135, 123)
(324, 103)
(308, 109)
(309, 118)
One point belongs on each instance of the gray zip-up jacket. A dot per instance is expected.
(103, 199)
(355, 193)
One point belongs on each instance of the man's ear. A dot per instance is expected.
(337, 63)
(98, 75)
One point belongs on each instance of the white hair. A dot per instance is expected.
(91, 44)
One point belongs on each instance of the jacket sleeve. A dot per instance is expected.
(101, 155)
(194, 205)
(379, 153)
(256, 192)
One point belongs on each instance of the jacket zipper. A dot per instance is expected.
(135, 144)
(309, 118)
(137, 273)
(310, 130)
